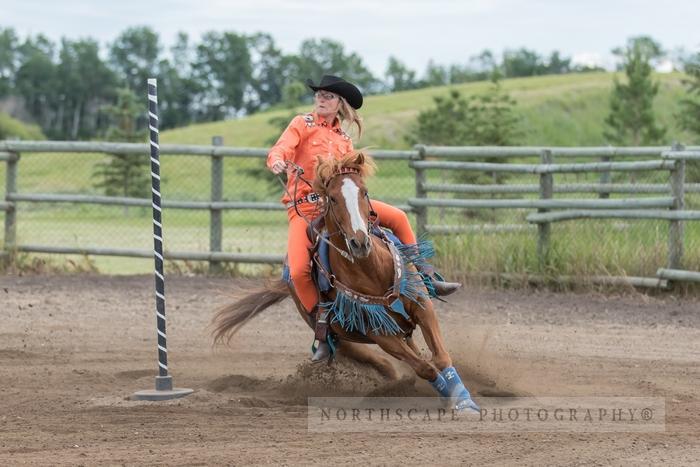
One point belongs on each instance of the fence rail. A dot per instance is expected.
(173, 255)
(543, 203)
(421, 159)
(535, 151)
(165, 149)
(566, 188)
(545, 168)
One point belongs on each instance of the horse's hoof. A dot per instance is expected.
(467, 405)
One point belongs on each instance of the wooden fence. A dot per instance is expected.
(421, 159)
(10, 153)
(669, 208)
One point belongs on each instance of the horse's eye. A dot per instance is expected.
(331, 199)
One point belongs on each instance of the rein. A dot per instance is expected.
(299, 171)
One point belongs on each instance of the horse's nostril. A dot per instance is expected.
(354, 243)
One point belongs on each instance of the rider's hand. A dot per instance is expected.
(278, 167)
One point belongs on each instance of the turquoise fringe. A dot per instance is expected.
(356, 316)
(418, 254)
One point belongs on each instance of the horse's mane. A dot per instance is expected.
(331, 166)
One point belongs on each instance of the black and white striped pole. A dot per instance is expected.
(164, 382)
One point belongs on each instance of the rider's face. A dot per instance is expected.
(326, 104)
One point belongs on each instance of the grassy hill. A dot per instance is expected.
(561, 110)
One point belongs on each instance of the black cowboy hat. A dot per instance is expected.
(339, 86)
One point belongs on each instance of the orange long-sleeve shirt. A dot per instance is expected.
(306, 137)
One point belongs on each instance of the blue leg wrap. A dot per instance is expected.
(457, 391)
(440, 385)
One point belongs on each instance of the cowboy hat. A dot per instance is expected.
(339, 86)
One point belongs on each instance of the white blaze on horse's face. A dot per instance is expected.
(351, 193)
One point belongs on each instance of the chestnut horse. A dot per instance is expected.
(370, 270)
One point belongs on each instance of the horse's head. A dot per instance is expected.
(341, 183)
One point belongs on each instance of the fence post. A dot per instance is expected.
(11, 213)
(676, 227)
(605, 178)
(421, 211)
(546, 191)
(215, 214)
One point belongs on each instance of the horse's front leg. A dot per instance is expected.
(449, 384)
(426, 318)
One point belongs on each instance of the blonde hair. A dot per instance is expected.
(346, 112)
(329, 167)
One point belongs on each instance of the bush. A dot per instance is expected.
(11, 128)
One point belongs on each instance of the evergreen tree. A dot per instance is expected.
(493, 122)
(631, 119)
(487, 119)
(124, 175)
(689, 115)
(445, 124)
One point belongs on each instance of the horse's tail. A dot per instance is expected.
(229, 319)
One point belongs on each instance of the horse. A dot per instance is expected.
(378, 296)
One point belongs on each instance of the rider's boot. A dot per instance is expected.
(441, 287)
(323, 350)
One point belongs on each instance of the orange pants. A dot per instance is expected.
(298, 245)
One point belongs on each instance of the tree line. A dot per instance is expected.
(65, 87)
(490, 119)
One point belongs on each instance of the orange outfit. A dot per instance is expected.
(305, 138)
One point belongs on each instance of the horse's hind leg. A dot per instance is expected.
(398, 348)
(362, 353)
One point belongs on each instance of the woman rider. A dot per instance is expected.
(319, 133)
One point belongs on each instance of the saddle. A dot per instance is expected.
(361, 313)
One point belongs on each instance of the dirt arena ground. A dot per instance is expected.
(74, 348)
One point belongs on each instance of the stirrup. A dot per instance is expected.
(322, 348)
(322, 353)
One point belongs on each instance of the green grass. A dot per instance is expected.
(595, 247)
(565, 110)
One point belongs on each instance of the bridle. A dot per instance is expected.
(371, 222)
(374, 218)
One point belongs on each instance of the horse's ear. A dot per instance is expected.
(359, 158)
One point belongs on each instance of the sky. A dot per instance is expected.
(446, 31)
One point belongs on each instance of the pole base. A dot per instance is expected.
(163, 391)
